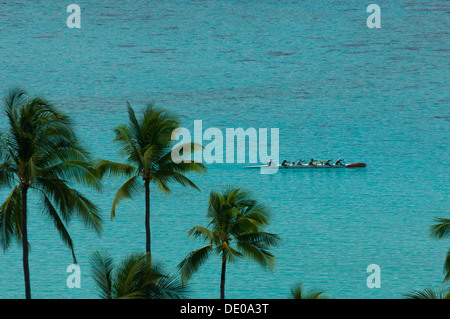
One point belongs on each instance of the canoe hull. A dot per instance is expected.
(353, 165)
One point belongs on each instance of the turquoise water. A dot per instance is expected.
(313, 69)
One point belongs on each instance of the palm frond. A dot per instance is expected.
(124, 135)
(11, 218)
(427, 293)
(190, 265)
(258, 253)
(447, 267)
(441, 229)
(79, 171)
(102, 267)
(115, 169)
(135, 127)
(228, 252)
(166, 287)
(7, 172)
(13, 101)
(298, 292)
(127, 190)
(162, 178)
(262, 238)
(130, 277)
(200, 231)
(50, 211)
(70, 202)
(87, 211)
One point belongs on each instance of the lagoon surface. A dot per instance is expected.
(313, 69)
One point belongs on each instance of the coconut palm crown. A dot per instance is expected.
(136, 277)
(235, 231)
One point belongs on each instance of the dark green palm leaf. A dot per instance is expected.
(127, 190)
(298, 292)
(191, 264)
(11, 219)
(447, 267)
(102, 266)
(428, 293)
(51, 212)
(441, 229)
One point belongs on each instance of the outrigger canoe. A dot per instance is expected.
(292, 166)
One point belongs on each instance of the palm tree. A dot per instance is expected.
(236, 231)
(439, 231)
(39, 152)
(135, 278)
(146, 143)
(429, 293)
(298, 292)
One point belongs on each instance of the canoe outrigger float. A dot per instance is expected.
(319, 165)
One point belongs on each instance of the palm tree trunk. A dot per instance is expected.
(222, 279)
(147, 217)
(26, 268)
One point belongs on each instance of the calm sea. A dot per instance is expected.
(313, 69)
